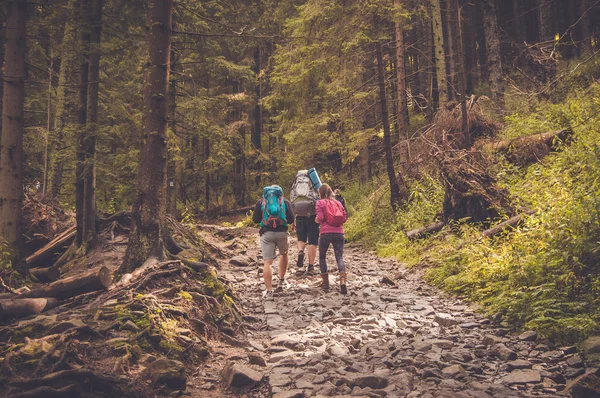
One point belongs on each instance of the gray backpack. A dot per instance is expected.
(303, 195)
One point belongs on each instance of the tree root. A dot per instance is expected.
(81, 376)
(72, 390)
(62, 340)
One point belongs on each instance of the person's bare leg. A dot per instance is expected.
(283, 265)
(312, 254)
(268, 274)
(301, 245)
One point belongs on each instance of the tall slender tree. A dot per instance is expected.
(440, 53)
(403, 121)
(492, 43)
(91, 128)
(84, 65)
(387, 139)
(11, 140)
(64, 101)
(147, 240)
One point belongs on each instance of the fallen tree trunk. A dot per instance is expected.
(49, 274)
(44, 256)
(236, 211)
(424, 231)
(524, 150)
(74, 285)
(511, 222)
(22, 307)
(123, 217)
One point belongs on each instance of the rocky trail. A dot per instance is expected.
(392, 336)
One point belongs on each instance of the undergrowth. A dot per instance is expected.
(542, 275)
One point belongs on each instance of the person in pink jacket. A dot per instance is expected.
(331, 215)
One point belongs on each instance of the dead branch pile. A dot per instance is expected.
(526, 150)
(43, 219)
(471, 190)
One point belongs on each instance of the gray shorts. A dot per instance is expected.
(271, 240)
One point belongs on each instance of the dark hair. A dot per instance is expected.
(325, 191)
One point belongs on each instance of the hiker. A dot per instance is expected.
(340, 198)
(274, 213)
(331, 215)
(304, 199)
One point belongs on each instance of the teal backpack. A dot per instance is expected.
(273, 207)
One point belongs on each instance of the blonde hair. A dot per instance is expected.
(325, 191)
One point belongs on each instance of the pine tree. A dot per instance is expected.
(148, 235)
(11, 140)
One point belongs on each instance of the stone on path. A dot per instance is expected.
(241, 261)
(523, 377)
(239, 377)
(504, 352)
(528, 336)
(168, 372)
(518, 364)
(454, 371)
(586, 386)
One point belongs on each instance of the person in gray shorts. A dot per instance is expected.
(273, 239)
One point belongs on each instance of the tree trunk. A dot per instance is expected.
(48, 124)
(172, 164)
(47, 254)
(462, 74)
(91, 130)
(403, 121)
(2, 42)
(148, 235)
(387, 140)
(546, 20)
(22, 307)
(257, 131)
(74, 285)
(85, 37)
(11, 142)
(440, 54)
(484, 73)
(492, 41)
(207, 175)
(64, 104)
(49, 274)
(451, 36)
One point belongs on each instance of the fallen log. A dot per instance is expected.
(44, 256)
(424, 231)
(123, 217)
(523, 150)
(74, 285)
(239, 210)
(49, 274)
(511, 222)
(22, 307)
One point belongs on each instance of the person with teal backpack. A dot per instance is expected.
(274, 213)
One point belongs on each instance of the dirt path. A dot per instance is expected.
(393, 338)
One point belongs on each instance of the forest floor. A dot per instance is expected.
(393, 335)
(177, 331)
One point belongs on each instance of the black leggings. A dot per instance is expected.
(337, 240)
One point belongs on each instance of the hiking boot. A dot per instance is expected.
(268, 295)
(325, 284)
(282, 285)
(300, 262)
(310, 269)
(343, 288)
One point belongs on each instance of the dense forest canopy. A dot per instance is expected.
(189, 108)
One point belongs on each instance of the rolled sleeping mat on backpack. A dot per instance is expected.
(314, 178)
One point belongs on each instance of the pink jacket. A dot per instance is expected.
(326, 228)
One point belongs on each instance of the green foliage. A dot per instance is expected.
(543, 274)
